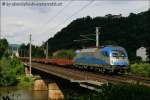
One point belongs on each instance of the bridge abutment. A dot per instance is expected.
(27, 71)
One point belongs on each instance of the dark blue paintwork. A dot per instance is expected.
(89, 60)
(121, 63)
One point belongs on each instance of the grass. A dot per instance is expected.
(141, 69)
(24, 81)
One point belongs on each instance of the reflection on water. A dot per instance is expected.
(15, 93)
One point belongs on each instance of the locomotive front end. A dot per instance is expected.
(119, 59)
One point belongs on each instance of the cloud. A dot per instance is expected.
(44, 22)
(41, 9)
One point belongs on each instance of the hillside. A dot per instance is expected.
(130, 32)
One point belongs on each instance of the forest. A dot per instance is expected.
(131, 32)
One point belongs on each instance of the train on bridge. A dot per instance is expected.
(105, 59)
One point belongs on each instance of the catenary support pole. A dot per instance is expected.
(30, 52)
(47, 50)
(97, 36)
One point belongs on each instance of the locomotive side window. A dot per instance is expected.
(105, 53)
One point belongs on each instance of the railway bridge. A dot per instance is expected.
(82, 78)
(86, 79)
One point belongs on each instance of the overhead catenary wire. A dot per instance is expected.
(55, 16)
(58, 13)
(85, 6)
(86, 37)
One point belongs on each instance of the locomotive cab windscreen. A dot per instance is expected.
(119, 57)
(119, 53)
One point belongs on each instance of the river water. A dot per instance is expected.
(71, 91)
(16, 93)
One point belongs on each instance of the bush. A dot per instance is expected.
(142, 69)
(125, 92)
(68, 54)
(25, 81)
(113, 92)
(9, 69)
(3, 46)
(8, 79)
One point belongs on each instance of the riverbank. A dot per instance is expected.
(74, 92)
(24, 81)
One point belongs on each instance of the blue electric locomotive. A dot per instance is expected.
(109, 58)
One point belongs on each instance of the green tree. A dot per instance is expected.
(9, 70)
(36, 51)
(68, 54)
(3, 46)
(148, 53)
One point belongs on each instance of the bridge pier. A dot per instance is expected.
(54, 92)
(40, 85)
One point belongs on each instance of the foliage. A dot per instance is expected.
(9, 70)
(113, 92)
(123, 31)
(25, 81)
(3, 46)
(137, 59)
(69, 54)
(36, 51)
(125, 92)
(141, 69)
(148, 53)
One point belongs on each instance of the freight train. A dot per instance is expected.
(105, 59)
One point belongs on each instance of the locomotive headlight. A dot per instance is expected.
(127, 61)
(112, 61)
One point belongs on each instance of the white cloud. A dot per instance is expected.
(44, 22)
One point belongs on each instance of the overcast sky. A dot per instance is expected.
(44, 21)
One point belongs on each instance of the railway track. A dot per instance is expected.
(139, 79)
(80, 75)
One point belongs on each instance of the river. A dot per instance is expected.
(16, 93)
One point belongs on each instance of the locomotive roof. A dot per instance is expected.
(89, 50)
(104, 48)
(110, 48)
